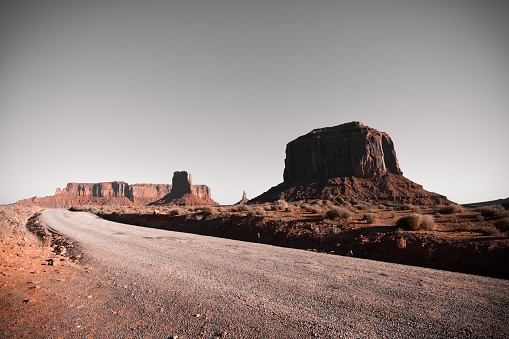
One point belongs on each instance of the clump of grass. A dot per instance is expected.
(369, 218)
(450, 209)
(337, 212)
(410, 222)
(401, 242)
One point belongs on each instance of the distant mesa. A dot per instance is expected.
(244, 199)
(184, 193)
(116, 193)
(346, 163)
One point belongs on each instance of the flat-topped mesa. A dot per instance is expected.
(350, 149)
(103, 189)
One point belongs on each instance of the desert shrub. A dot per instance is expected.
(291, 208)
(337, 213)
(410, 222)
(479, 218)
(176, 211)
(316, 209)
(502, 224)
(410, 207)
(256, 211)
(281, 205)
(369, 218)
(243, 208)
(428, 223)
(305, 206)
(361, 207)
(491, 231)
(465, 227)
(401, 242)
(493, 211)
(450, 209)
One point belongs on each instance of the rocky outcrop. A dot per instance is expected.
(244, 199)
(184, 193)
(351, 149)
(117, 193)
(345, 164)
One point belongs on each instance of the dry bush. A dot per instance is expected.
(491, 231)
(256, 211)
(337, 212)
(280, 205)
(361, 207)
(496, 211)
(410, 222)
(291, 208)
(502, 224)
(176, 211)
(450, 209)
(401, 242)
(428, 223)
(410, 207)
(369, 218)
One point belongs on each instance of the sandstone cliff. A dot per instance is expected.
(345, 163)
(351, 149)
(110, 193)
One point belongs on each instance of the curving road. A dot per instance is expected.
(186, 285)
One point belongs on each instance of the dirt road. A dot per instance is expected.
(150, 283)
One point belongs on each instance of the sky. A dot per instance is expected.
(95, 91)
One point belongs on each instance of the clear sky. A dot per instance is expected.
(94, 91)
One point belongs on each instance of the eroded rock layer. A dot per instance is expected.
(351, 149)
(117, 193)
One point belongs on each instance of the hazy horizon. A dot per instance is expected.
(101, 91)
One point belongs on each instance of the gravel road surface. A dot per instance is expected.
(153, 283)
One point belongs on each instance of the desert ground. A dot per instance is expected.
(55, 287)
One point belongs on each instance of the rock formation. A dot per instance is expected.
(351, 149)
(184, 193)
(345, 163)
(111, 193)
(244, 199)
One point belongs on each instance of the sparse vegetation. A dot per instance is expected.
(410, 222)
(496, 211)
(450, 209)
(369, 218)
(337, 213)
(401, 242)
(502, 224)
(428, 223)
(280, 205)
